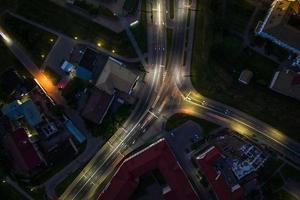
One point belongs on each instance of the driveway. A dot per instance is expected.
(60, 52)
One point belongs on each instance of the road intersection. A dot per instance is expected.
(165, 83)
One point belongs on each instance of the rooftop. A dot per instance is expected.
(276, 25)
(157, 155)
(22, 152)
(97, 106)
(210, 162)
(22, 108)
(116, 76)
(287, 83)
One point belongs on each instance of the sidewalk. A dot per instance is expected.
(18, 188)
(92, 147)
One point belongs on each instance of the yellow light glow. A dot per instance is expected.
(114, 51)
(99, 44)
(51, 40)
(76, 38)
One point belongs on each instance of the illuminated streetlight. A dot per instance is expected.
(76, 38)
(43, 56)
(99, 44)
(114, 51)
(51, 40)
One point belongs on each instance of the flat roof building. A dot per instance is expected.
(245, 76)
(115, 76)
(23, 108)
(23, 156)
(213, 164)
(97, 106)
(277, 25)
(287, 82)
(156, 156)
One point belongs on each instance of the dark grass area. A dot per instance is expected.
(111, 122)
(291, 172)
(69, 23)
(218, 58)
(36, 41)
(140, 30)
(131, 5)
(179, 119)
(62, 186)
(270, 166)
(9, 193)
(171, 10)
(7, 58)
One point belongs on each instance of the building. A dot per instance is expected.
(23, 108)
(156, 156)
(12, 83)
(23, 156)
(97, 106)
(115, 76)
(246, 77)
(221, 179)
(279, 25)
(76, 71)
(287, 83)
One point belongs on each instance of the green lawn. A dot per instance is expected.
(284, 195)
(111, 123)
(62, 186)
(131, 5)
(71, 24)
(270, 166)
(169, 42)
(291, 172)
(9, 193)
(36, 41)
(7, 58)
(94, 10)
(171, 10)
(178, 119)
(140, 30)
(218, 58)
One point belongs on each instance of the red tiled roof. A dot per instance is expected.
(296, 80)
(97, 106)
(218, 182)
(157, 155)
(24, 155)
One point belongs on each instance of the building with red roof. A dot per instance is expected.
(209, 161)
(156, 156)
(23, 156)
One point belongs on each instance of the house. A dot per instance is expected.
(287, 82)
(23, 108)
(23, 155)
(12, 82)
(76, 71)
(279, 27)
(115, 76)
(156, 156)
(213, 164)
(97, 106)
(245, 76)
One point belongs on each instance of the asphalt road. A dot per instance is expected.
(165, 84)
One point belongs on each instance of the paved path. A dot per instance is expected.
(59, 34)
(93, 145)
(18, 188)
